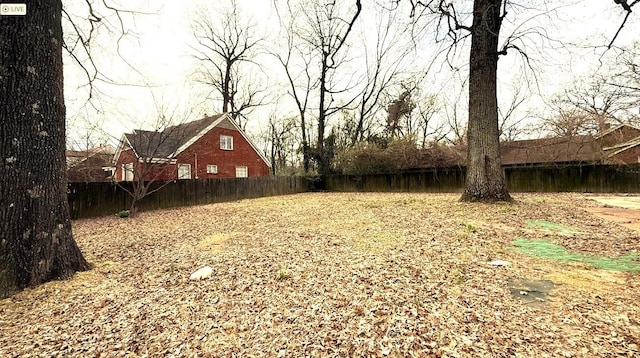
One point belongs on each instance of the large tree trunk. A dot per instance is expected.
(485, 178)
(36, 243)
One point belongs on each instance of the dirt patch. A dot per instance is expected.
(622, 210)
(532, 292)
(621, 201)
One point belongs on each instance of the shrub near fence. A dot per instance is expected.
(574, 178)
(99, 199)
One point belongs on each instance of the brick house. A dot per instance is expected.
(212, 147)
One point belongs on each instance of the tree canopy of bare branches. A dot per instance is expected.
(226, 45)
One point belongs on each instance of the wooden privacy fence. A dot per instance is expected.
(99, 199)
(574, 178)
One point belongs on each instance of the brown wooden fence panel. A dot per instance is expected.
(428, 180)
(573, 178)
(99, 199)
(577, 178)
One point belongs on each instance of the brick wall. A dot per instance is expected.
(206, 151)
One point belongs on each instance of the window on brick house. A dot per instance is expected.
(212, 169)
(226, 142)
(184, 171)
(242, 172)
(127, 172)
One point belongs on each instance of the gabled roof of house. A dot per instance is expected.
(199, 128)
(188, 133)
(173, 140)
(150, 144)
(163, 144)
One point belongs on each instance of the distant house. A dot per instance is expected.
(212, 147)
(91, 165)
(617, 145)
(621, 144)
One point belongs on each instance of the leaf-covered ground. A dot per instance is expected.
(336, 274)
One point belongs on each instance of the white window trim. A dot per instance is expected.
(246, 171)
(224, 140)
(212, 169)
(184, 165)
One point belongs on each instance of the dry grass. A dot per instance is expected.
(334, 275)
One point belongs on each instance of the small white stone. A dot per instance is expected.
(202, 273)
(499, 263)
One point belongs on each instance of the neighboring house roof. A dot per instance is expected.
(530, 151)
(78, 157)
(173, 140)
(554, 150)
(551, 150)
(89, 165)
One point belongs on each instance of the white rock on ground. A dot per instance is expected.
(499, 263)
(202, 273)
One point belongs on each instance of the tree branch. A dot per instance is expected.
(627, 8)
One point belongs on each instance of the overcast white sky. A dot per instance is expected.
(162, 56)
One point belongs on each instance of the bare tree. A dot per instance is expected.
(328, 36)
(593, 105)
(622, 82)
(510, 121)
(428, 128)
(226, 44)
(323, 28)
(281, 143)
(383, 65)
(627, 8)
(485, 178)
(297, 66)
(453, 112)
(151, 154)
(569, 121)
